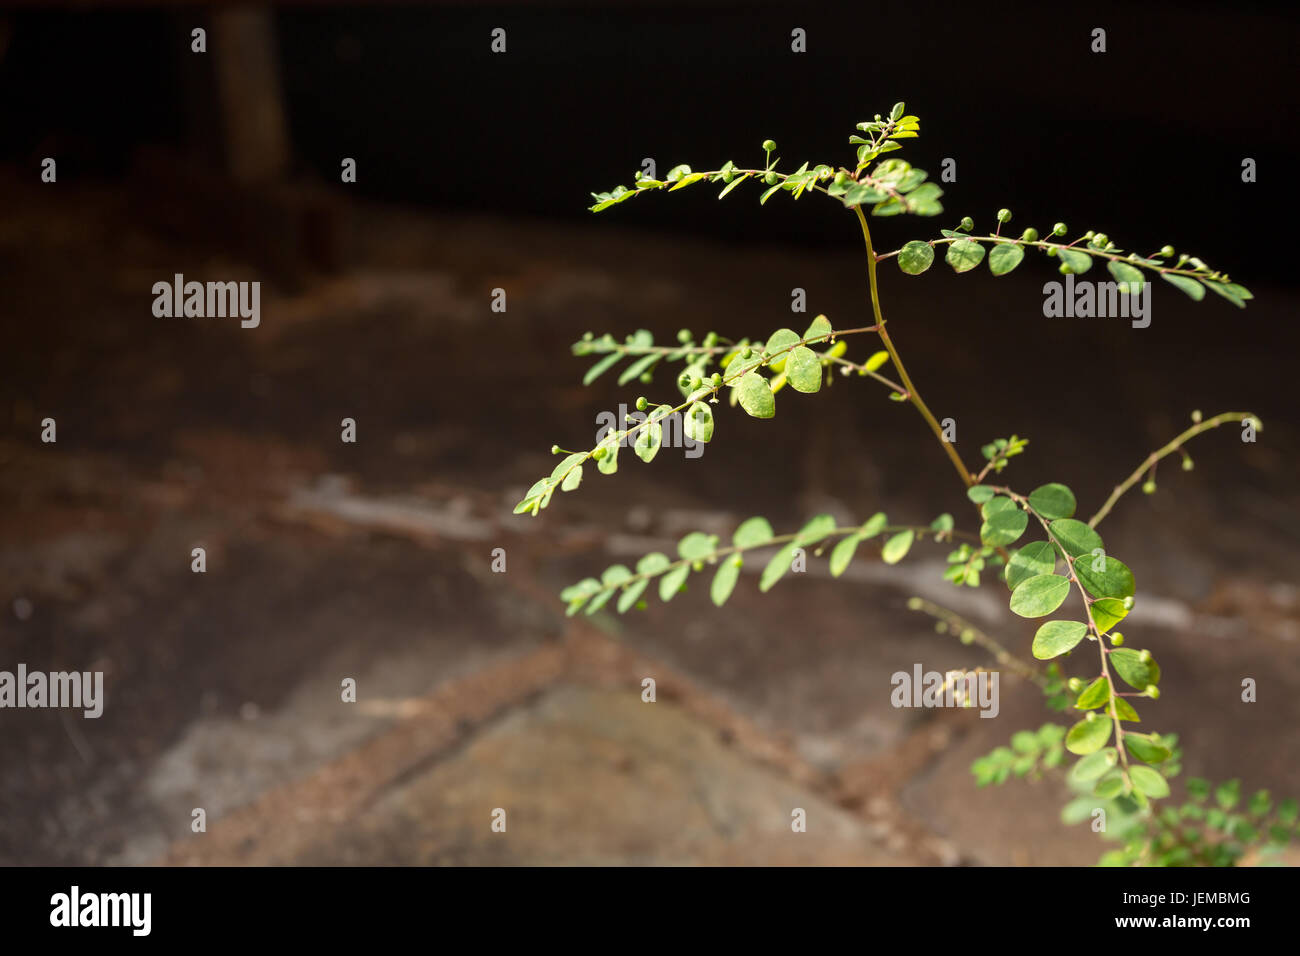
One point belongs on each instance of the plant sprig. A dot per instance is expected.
(1128, 777)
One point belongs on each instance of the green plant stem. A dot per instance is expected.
(912, 394)
(1092, 627)
(1159, 453)
(712, 556)
(1044, 244)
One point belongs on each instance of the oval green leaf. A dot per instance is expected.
(756, 396)
(1056, 637)
(1088, 735)
(915, 257)
(1040, 595)
(1053, 501)
(1037, 557)
(1004, 257)
(964, 255)
(803, 370)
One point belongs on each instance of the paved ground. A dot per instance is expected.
(372, 561)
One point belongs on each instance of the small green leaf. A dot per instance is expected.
(980, 493)
(1056, 637)
(1052, 501)
(1221, 288)
(1004, 257)
(1094, 695)
(572, 480)
(630, 594)
(636, 368)
(964, 255)
(756, 396)
(843, 554)
(1149, 782)
(671, 583)
(1136, 672)
(1040, 595)
(601, 367)
(1110, 787)
(1075, 261)
(752, 533)
(897, 546)
(1108, 612)
(1075, 536)
(1104, 576)
(1146, 748)
(873, 525)
(777, 567)
(653, 563)
(697, 546)
(915, 257)
(778, 345)
(818, 331)
(815, 530)
(1038, 557)
(1129, 278)
(876, 360)
(649, 439)
(724, 581)
(1124, 710)
(1194, 289)
(1004, 522)
(699, 422)
(1094, 765)
(1228, 793)
(804, 370)
(1088, 735)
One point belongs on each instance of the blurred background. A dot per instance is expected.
(373, 560)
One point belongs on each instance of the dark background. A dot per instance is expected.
(1148, 136)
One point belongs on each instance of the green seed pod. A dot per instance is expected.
(555, 449)
(1144, 656)
(586, 336)
(1059, 229)
(1148, 487)
(647, 378)
(694, 383)
(768, 145)
(642, 404)
(968, 636)
(715, 380)
(967, 224)
(1153, 692)
(1076, 685)
(1167, 251)
(1004, 215)
(711, 340)
(841, 178)
(914, 603)
(1117, 639)
(1030, 235)
(747, 354)
(684, 336)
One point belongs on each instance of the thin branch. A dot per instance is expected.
(1159, 453)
